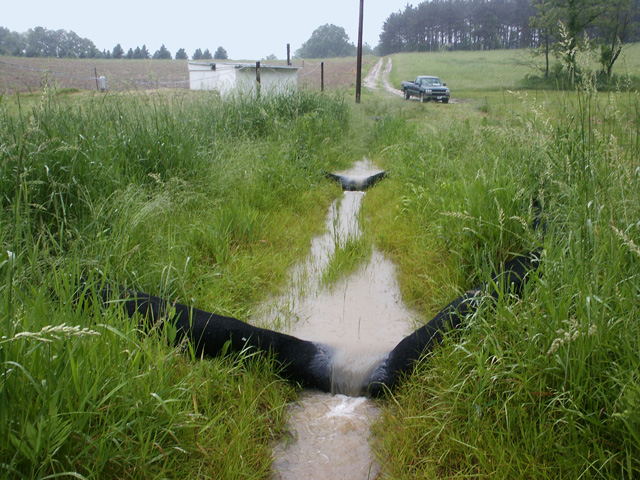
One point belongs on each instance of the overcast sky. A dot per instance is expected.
(247, 29)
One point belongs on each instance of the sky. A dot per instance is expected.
(246, 29)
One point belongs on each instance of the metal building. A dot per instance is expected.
(242, 77)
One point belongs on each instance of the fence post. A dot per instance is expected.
(322, 76)
(258, 78)
(359, 55)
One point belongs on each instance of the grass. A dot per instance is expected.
(465, 71)
(540, 387)
(347, 256)
(203, 201)
(209, 202)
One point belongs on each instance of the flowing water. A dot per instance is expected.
(363, 318)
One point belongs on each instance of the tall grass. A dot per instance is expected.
(183, 195)
(540, 387)
(208, 202)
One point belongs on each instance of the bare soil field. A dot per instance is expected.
(19, 74)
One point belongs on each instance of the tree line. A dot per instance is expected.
(42, 42)
(559, 27)
(458, 25)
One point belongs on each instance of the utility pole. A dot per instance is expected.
(359, 62)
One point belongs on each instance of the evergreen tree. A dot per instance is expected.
(162, 54)
(144, 52)
(129, 54)
(206, 55)
(221, 54)
(118, 52)
(182, 55)
(197, 55)
(459, 25)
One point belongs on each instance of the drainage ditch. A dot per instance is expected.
(361, 318)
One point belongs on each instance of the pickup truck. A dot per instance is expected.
(426, 88)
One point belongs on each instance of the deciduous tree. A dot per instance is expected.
(576, 16)
(615, 30)
(11, 43)
(327, 41)
(545, 23)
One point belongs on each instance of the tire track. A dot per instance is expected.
(378, 78)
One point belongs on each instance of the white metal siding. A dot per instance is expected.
(227, 78)
(203, 77)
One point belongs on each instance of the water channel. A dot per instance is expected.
(363, 318)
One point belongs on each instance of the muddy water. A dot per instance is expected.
(363, 318)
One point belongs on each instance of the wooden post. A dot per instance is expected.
(96, 72)
(258, 78)
(288, 54)
(322, 76)
(359, 60)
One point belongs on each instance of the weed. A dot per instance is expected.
(186, 196)
(544, 379)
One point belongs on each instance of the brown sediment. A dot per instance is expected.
(361, 318)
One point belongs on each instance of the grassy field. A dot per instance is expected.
(209, 202)
(473, 74)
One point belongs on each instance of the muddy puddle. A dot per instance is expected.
(362, 317)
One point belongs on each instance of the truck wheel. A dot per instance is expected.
(423, 98)
(407, 95)
(445, 100)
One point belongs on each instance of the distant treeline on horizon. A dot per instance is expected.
(430, 26)
(42, 42)
(503, 24)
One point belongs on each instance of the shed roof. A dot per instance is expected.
(213, 65)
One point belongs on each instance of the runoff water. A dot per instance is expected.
(362, 317)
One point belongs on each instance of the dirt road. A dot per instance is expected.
(378, 77)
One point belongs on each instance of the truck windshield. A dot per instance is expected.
(430, 82)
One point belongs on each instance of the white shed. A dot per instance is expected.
(229, 77)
